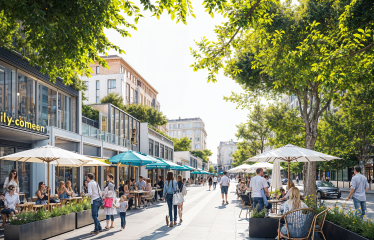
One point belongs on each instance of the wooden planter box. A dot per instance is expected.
(85, 218)
(263, 227)
(41, 229)
(333, 231)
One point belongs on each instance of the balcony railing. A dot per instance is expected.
(96, 133)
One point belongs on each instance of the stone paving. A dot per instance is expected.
(204, 217)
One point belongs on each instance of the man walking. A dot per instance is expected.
(359, 185)
(95, 193)
(256, 185)
(225, 184)
(214, 182)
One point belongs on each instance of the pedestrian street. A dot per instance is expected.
(204, 217)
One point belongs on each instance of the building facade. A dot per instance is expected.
(192, 128)
(120, 78)
(186, 158)
(224, 154)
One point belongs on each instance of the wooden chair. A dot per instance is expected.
(319, 222)
(150, 198)
(298, 225)
(33, 199)
(246, 203)
(37, 207)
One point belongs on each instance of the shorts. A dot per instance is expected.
(8, 211)
(224, 189)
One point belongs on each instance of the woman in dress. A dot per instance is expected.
(180, 187)
(12, 180)
(109, 192)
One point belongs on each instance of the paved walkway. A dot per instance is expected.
(204, 217)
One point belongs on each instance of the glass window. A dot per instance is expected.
(24, 177)
(127, 127)
(157, 151)
(161, 151)
(111, 86)
(136, 97)
(122, 126)
(197, 146)
(197, 139)
(189, 125)
(112, 120)
(174, 126)
(166, 152)
(104, 123)
(198, 131)
(67, 174)
(87, 170)
(117, 122)
(123, 173)
(179, 126)
(189, 131)
(150, 150)
(8, 91)
(184, 125)
(97, 69)
(184, 133)
(170, 125)
(97, 91)
(26, 98)
(47, 105)
(198, 125)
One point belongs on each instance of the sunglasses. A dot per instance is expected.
(14, 173)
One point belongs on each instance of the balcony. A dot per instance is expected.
(90, 131)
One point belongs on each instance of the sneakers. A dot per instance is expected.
(100, 230)
(167, 220)
(93, 232)
(171, 224)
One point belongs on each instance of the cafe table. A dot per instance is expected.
(275, 204)
(274, 215)
(71, 199)
(136, 195)
(25, 206)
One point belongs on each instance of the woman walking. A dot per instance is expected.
(110, 194)
(210, 180)
(180, 188)
(170, 187)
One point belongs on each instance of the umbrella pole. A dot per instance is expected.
(48, 186)
(288, 173)
(129, 172)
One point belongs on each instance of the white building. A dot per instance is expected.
(224, 152)
(186, 158)
(193, 128)
(119, 78)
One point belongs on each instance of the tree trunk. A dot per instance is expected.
(310, 167)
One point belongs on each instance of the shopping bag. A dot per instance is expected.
(108, 202)
(177, 199)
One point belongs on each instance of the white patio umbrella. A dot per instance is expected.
(50, 155)
(263, 165)
(290, 153)
(94, 163)
(276, 181)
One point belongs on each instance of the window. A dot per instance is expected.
(157, 149)
(197, 131)
(150, 150)
(190, 125)
(132, 96)
(174, 126)
(111, 86)
(166, 152)
(197, 146)
(86, 93)
(197, 139)
(190, 138)
(184, 133)
(128, 92)
(141, 99)
(184, 125)
(161, 151)
(198, 125)
(179, 126)
(136, 97)
(97, 69)
(170, 126)
(97, 91)
(189, 131)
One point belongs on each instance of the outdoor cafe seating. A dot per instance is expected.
(298, 224)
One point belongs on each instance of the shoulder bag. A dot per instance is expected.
(101, 199)
(177, 197)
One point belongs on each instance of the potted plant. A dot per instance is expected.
(261, 227)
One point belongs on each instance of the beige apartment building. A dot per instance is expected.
(193, 128)
(120, 78)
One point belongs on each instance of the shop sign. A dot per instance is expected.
(8, 120)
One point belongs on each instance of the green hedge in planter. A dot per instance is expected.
(345, 218)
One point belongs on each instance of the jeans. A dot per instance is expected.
(111, 217)
(123, 219)
(214, 184)
(95, 206)
(260, 201)
(169, 200)
(224, 189)
(360, 206)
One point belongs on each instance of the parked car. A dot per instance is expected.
(327, 189)
(284, 181)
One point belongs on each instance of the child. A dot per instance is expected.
(123, 207)
(282, 193)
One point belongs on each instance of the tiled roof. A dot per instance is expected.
(16, 60)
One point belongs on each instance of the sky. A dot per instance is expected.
(160, 51)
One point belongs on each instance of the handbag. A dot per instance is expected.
(177, 198)
(101, 199)
(108, 202)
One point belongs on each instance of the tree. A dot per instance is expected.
(203, 154)
(115, 99)
(89, 112)
(211, 169)
(64, 38)
(312, 52)
(182, 144)
(146, 114)
(244, 151)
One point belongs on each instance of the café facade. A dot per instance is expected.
(35, 112)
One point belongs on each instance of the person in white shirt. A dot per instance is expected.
(214, 182)
(225, 184)
(11, 199)
(95, 193)
(256, 185)
(12, 180)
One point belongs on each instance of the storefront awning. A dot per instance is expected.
(19, 135)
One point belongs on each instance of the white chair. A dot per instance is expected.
(150, 198)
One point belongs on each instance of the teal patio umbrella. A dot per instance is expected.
(196, 172)
(164, 164)
(188, 167)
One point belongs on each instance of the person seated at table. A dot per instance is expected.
(121, 188)
(242, 188)
(141, 186)
(61, 190)
(282, 193)
(127, 193)
(85, 186)
(133, 185)
(294, 201)
(11, 199)
(42, 195)
(160, 185)
(69, 191)
(289, 188)
(239, 183)
(148, 188)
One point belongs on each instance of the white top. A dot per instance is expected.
(123, 206)
(93, 190)
(14, 183)
(225, 181)
(257, 183)
(359, 183)
(214, 179)
(11, 201)
(110, 194)
(288, 206)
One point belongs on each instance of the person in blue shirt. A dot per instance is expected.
(170, 187)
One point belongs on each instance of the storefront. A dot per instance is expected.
(65, 174)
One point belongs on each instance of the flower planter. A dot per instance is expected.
(84, 218)
(333, 231)
(263, 227)
(41, 229)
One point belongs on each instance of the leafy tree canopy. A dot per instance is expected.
(244, 151)
(182, 144)
(89, 112)
(203, 154)
(211, 169)
(65, 37)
